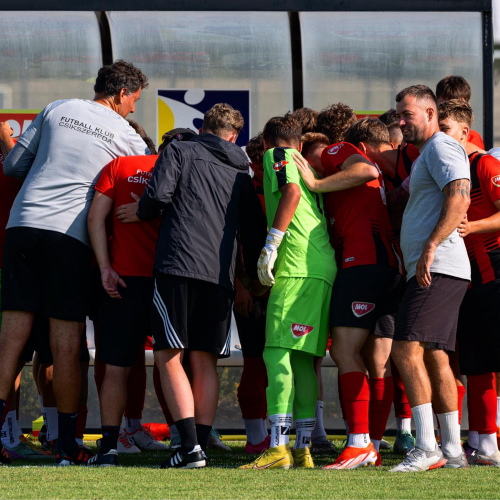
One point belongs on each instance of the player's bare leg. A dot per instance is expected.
(113, 397)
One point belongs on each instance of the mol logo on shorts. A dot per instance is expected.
(301, 330)
(496, 180)
(334, 149)
(361, 308)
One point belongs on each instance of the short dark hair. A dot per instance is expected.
(311, 139)
(119, 75)
(334, 121)
(307, 117)
(282, 129)
(389, 118)
(369, 130)
(255, 149)
(419, 92)
(176, 135)
(458, 110)
(222, 118)
(453, 87)
(144, 136)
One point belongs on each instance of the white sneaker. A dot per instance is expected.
(126, 444)
(146, 441)
(418, 460)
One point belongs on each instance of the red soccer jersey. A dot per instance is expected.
(9, 188)
(483, 248)
(476, 139)
(132, 246)
(359, 221)
(259, 188)
(405, 158)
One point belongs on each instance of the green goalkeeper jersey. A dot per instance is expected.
(305, 251)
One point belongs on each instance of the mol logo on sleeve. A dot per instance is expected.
(185, 109)
(19, 119)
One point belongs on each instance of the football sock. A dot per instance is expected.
(402, 407)
(424, 425)
(461, 394)
(356, 398)
(303, 430)
(174, 433)
(109, 438)
(280, 429)
(264, 427)
(67, 432)
(50, 415)
(498, 413)
(488, 443)
(255, 430)
(187, 431)
(318, 434)
(10, 433)
(361, 440)
(40, 402)
(132, 424)
(202, 433)
(450, 434)
(403, 424)
(252, 389)
(81, 423)
(376, 444)
(19, 429)
(473, 439)
(280, 390)
(381, 397)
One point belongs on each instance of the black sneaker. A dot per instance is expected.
(192, 460)
(109, 459)
(81, 456)
(4, 456)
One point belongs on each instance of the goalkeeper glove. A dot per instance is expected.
(268, 256)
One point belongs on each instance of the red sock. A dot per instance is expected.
(461, 396)
(136, 388)
(252, 389)
(482, 403)
(402, 407)
(81, 421)
(356, 398)
(381, 397)
(160, 396)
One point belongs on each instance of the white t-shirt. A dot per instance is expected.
(72, 141)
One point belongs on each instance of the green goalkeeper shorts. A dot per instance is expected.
(298, 315)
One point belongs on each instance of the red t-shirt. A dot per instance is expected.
(132, 246)
(476, 139)
(9, 188)
(483, 248)
(259, 188)
(406, 156)
(359, 222)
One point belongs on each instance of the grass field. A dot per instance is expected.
(140, 478)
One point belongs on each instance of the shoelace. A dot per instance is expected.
(126, 440)
(411, 457)
(148, 434)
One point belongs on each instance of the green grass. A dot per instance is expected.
(140, 478)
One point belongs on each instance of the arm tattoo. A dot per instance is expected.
(460, 187)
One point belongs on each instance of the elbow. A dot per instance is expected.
(295, 193)
(372, 173)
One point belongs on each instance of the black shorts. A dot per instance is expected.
(45, 272)
(191, 314)
(362, 295)
(479, 330)
(252, 330)
(431, 314)
(40, 341)
(124, 323)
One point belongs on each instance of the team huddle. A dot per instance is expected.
(382, 245)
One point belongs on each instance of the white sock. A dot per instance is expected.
(473, 439)
(280, 428)
(376, 444)
(303, 430)
(10, 434)
(79, 441)
(264, 427)
(403, 424)
(498, 413)
(488, 444)
(255, 430)
(318, 434)
(450, 434)
(132, 424)
(174, 433)
(19, 428)
(359, 440)
(424, 425)
(50, 415)
(346, 428)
